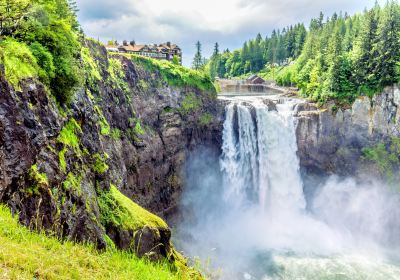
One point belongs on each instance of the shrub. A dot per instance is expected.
(19, 62)
(100, 166)
(190, 103)
(45, 61)
(177, 75)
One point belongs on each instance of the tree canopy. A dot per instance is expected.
(338, 57)
(50, 30)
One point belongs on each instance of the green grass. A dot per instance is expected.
(19, 62)
(28, 255)
(176, 75)
(119, 210)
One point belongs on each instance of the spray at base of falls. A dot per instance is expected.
(254, 221)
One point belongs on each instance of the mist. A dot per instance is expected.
(250, 217)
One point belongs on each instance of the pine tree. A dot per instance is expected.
(73, 6)
(198, 58)
(216, 49)
(389, 45)
(366, 64)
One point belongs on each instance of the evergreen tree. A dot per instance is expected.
(389, 45)
(366, 63)
(216, 49)
(198, 60)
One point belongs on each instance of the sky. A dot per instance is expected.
(228, 22)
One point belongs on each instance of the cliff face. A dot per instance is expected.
(127, 130)
(331, 141)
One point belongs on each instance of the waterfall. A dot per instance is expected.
(259, 160)
(251, 218)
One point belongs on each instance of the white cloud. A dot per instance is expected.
(229, 22)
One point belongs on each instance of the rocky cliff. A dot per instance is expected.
(68, 169)
(331, 140)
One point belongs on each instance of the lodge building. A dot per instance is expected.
(165, 51)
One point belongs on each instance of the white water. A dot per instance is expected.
(255, 223)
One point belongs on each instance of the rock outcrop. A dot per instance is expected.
(331, 140)
(126, 127)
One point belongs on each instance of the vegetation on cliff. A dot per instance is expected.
(386, 160)
(177, 75)
(69, 158)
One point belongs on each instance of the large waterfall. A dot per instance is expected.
(259, 159)
(252, 218)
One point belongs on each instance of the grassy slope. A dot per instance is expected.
(24, 254)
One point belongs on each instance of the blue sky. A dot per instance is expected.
(228, 22)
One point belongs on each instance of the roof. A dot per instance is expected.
(163, 48)
(252, 77)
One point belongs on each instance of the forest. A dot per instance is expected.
(338, 57)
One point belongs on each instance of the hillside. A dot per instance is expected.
(339, 57)
(88, 141)
(27, 255)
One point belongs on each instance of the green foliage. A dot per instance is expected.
(176, 75)
(386, 158)
(61, 158)
(45, 61)
(36, 176)
(138, 128)
(19, 62)
(176, 60)
(118, 210)
(38, 180)
(73, 183)
(281, 47)
(69, 138)
(11, 13)
(105, 128)
(115, 133)
(68, 135)
(205, 119)
(100, 163)
(190, 103)
(24, 253)
(350, 56)
(91, 68)
(117, 74)
(198, 60)
(50, 30)
(339, 58)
